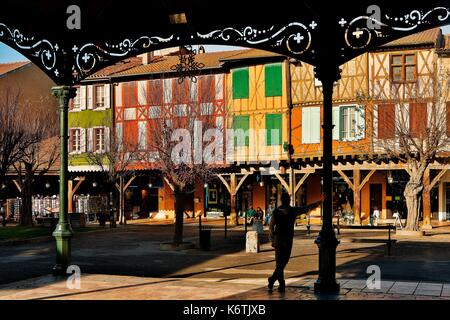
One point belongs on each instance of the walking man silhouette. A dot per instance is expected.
(281, 233)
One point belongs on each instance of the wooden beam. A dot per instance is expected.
(241, 182)
(225, 183)
(17, 185)
(438, 177)
(169, 184)
(302, 180)
(366, 179)
(128, 183)
(346, 179)
(117, 186)
(78, 185)
(283, 182)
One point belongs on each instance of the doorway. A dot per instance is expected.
(376, 197)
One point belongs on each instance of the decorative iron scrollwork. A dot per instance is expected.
(187, 67)
(358, 35)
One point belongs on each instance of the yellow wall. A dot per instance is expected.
(256, 106)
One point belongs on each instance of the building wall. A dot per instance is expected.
(34, 85)
(257, 106)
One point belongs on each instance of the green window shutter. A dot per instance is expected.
(337, 122)
(273, 123)
(241, 122)
(273, 80)
(240, 83)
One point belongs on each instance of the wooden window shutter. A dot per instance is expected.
(336, 123)
(386, 121)
(273, 123)
(306, 122)
(273, 80)
(315, 125)
(241, 123)
(70, 140)
(240, 78)
(417, 119)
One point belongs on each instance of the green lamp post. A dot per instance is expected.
(63, 232)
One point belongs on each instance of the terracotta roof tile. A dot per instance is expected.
(163, 64)
(430, 36)
(8, 67)
(117, 67)
(251, 54)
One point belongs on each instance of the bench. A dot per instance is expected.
(389, 241)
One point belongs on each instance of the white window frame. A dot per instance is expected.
(352, 122)
(79, 149)
(94, 142)
(76, 98)
(103, 96)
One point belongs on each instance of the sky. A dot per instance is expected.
(9, 55)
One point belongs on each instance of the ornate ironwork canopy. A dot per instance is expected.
(315, 32)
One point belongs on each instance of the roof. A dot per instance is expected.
(428, 37)
(163, 64)
(9, 67)
(118, 67)
(251, 54)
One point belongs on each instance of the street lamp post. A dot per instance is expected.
(63, 232)
(326, 240)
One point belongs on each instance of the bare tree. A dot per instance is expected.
(412, 129)
(12, 132)
(185, 140)
(113, 159)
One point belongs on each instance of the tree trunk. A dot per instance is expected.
(180, 205)
(412, 196)
(27, 204)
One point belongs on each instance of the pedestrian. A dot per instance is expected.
(269, 213)
(376, 216)
(281, 233)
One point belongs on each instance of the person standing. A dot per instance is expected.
(281, 233)
(269, 213)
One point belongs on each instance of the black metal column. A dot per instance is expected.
(326, 240)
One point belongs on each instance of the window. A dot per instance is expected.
(240, 126)
(240, 83)
(155, 93)
(311, 125)
(386, 121)
(76, 102)
(99, 139)
(99, 92)
(349, 122)
(273, 80)
(207, 91)
(75, 140)
(403, 68)
(130, 94)
(348, 118)
(180, 92)
(417, 119)
(273, 129)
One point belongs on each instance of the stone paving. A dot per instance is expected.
(108, 287)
